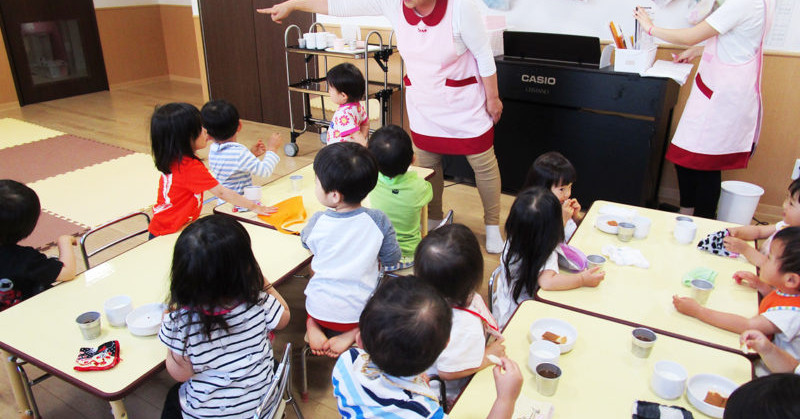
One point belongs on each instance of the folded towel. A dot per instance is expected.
(626, 256)
(699, 273)
(290, 212)
(651, 410)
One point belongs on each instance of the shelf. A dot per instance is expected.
(320, 87)
(350, 55)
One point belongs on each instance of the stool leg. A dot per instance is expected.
(17, 386)
(118, 409)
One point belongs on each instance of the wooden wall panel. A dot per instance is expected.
(133, 43)
(8, 93)
(179, 41)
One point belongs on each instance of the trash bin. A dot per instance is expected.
(738, 201)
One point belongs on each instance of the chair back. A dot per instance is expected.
(496, 275)
(273, 404)
(113, 233)
(448, 219)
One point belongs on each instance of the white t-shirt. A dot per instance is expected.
(740, 24)
(569, 229)
(466, 15)
(504, 305)
(788, 321)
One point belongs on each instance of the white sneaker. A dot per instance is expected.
(494, 241)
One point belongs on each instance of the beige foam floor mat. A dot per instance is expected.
(100, 193)
(14, 132)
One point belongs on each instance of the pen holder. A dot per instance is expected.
(634, 60)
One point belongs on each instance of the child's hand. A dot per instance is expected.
(576, 207)
(755, 340)
(496, 348)
(507, 380)
(686, 305)
(735, 245)
(274, 143)
(592, 277)
(260, 209)
(746, 278)
(567, 210)
(258, 149)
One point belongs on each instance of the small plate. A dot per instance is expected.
(602, 223)
(699, 385)
(145, 320)
(557, 326)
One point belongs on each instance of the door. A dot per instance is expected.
(53, 47)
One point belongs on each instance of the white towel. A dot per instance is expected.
(626, 256)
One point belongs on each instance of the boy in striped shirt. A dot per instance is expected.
(231, 163)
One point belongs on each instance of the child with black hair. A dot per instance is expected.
(449, 258)
(231, 163)
(346, 88)
(24, 271)
(400, 193)
(176, 134)
(347, 241)
(553, 171)
(738, 236)
(221, 312)
(403, 329)
(770, 397)
(529, 260)
(779, 311)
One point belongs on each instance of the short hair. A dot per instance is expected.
(794, 189)
(550, 169)
(450, 259)
(770, 397)
(789, 260)
(220, 119)
(19, 211)
(393, 149)
(347, 168)
(405, 326)
(347, 79)
(173, 128)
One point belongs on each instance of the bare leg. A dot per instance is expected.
(340, 343)
(316, 337)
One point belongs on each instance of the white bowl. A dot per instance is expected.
(699, 385)
(557, 326)
(145, 320)
(602, 223)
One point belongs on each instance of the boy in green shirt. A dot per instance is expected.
(399, 193)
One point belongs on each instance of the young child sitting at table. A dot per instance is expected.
(347, 241)
(400, 193)
(403, 329)
(774, 358)
(553, 171)
(770, 397)
(449, 258)
(738, 236)
(24, 272)
(349, 122)
(221, 312)
(231, 163)
(176, 134)
(529, 260)
(779, 311)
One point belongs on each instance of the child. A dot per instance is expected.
(770, 397)
(553, 171)
(404, 327)
(449, 258)
(24, 272)
(529, 259)
(347, 242)
(349, 122)
(399, 193)
(736, 241)
(176, 133)
(778, 313)
(231, 163)
(775, 358)
(221, 312)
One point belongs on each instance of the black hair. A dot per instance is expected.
(347, 79)
(220, 119)
(19, 211)
(173, 129)
(450, 259)
(213, 267)
(533, 229)
(550, 169)
(770, 397)
(347, 168)
(789, 260)
(405, 326)
(794, 189)
(392, 148)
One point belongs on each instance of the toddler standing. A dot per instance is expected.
(349, 122)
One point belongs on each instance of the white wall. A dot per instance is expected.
(104, 4)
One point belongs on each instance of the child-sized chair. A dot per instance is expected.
(108, 234)
(279, 393)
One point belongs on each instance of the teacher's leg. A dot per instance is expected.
(709, 185)
(433, 161)
(687, 188)
(487, 179)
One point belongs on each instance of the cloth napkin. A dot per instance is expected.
(714, 244)
(651, 410)
(699, 273)
(626, 256)
(106, 356)
(290, 212)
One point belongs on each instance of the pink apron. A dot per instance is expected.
(445, 99)
(721, 123)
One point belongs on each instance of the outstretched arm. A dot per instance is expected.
(684, 36)
(281, 11)
(728, 321)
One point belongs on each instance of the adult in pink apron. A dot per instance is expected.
(446, 95)
(721, 122)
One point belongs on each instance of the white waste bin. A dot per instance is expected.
(738, 201)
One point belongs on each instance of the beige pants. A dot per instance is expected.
(487, 179)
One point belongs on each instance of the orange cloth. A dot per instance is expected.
(290, 212)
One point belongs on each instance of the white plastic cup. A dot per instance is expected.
(701, 289)
(297, 183)
(89, 324)
(301, 42)
(253, 193)
(642, 342)
(642, 227)
(685, 231)
(547, 376)
(738, 201)
(311, 40)
(338, 44)
(543, 351)
(669, 379)
(322, 40)
(117, 308)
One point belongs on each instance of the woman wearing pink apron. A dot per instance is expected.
(721, 122)
(450, 83)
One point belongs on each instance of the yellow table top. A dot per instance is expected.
(644, 296)
(601, 378)
(42, 329)
(281, 189)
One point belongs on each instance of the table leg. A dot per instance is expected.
(16, 385)
(118, 409)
